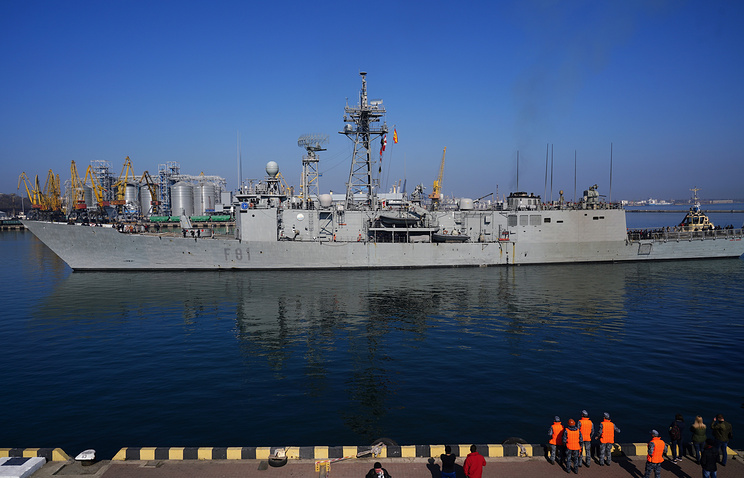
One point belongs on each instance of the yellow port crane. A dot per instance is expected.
(52, 193)
(125, 177)
(436, 193)
(44, 202)
(78, 192)
(33, 191)
(97, 189)
(147, 179)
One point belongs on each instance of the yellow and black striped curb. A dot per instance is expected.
(51, 454)
(331, 452)
(313, 452)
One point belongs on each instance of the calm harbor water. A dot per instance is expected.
(107, 360)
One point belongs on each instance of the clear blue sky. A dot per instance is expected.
(166, 81)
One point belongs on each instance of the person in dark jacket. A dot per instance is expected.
(708, 459)
(722, 433)
(448, 462)
(675, 438)
(378, 471)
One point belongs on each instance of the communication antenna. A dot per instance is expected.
(310, 177)
(361, 129)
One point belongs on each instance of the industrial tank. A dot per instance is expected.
(208, 193)
(130, 193)
(90, 200)
(145, 200)
(131, 196)
(204, 198)
(182, 199)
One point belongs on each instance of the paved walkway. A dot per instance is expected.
(622, 467)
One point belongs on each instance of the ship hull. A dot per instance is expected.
(104, 248)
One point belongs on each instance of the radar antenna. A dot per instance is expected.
(695, 200)
(312, 144)
(361, 130)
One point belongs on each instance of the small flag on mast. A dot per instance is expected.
(383, 143)
(395, 136)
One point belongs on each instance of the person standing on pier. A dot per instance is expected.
(555, 432)
(572, 439)
(474, 463)
(675, 438)
(708, 459)
(698, 436)
(722, 432)
(655, 457)
(587, 432)
(606, 435)
(448, 462)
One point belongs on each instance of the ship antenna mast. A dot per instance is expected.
(695, 200)
(310, 184)
(361, 130)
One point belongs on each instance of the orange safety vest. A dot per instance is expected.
(658, 456)
(557, 438)
(572, 439)
(608, 432)
(586, 429)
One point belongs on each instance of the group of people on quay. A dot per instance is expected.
(572, 443)
(473, 466)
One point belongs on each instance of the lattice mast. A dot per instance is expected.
(361, 129)
(310, 176)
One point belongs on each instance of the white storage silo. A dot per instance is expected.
(182, 199)
(145, 200)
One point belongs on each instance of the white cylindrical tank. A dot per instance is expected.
(208, 198)
(198, 206)
(145, 200)
(182, 199)
(131, 197)
(90, 200)
(130, 193)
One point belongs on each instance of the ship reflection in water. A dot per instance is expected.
(421, 356)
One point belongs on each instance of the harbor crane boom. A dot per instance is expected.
(125, 177)
(436, 194)
(78, 192)
(33, 191)
(153, 188)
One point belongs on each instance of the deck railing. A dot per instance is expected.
(664, 234)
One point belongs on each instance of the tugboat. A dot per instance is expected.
(695, 220)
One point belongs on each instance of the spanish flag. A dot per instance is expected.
(395, 136)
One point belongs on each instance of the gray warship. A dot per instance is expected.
(362, 229)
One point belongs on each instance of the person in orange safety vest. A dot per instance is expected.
(587, 432)
(606, 436)
(572, 439)
(656, 450)
(555, 444)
